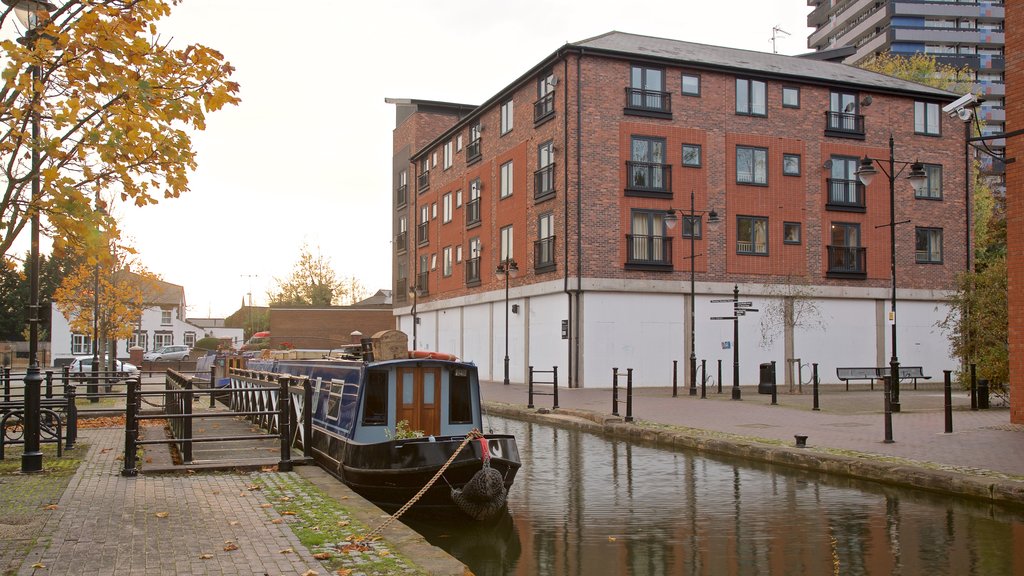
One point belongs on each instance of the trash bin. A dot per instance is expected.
(764, 385)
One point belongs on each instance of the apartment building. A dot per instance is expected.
(573, 169)
(956, 32)
(1015, 208)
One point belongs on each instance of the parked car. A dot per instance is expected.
(165, 353)
(84, 364)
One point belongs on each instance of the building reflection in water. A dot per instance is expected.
(585, 506)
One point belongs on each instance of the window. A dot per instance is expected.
(433, 261)
(845, 192)
(375, 404)
(691, 84)
(926, 118)
(423, 274)
(691, 155)
(843, 119)
(648, 244)
(928, 243)
(473, 206)
(433, 158)
(458, 253)
(791, 164)
(458, 143)
(544, 107)
(433, 211)
(423, 228)
(165, 317)
(506, 243)
(752, 235)
(460, 407)
(401, 239)
(544, 177)
(791, 232)
(544, 249)
(751, 165)
(506, 117)
(646, 92)
(137, 339)
(458, 198)
(790, 97)
(423, 180)
(81, 344)
(473, 263)
(446, 208)
(448, 153)
(473, 149)
(932, 189)
(446, 261)
(751, 98)
(402, 193)
(845, 255)
(161, 339)
(647, 170)
(506, 179)
(190, 339)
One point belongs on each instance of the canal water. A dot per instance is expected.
(583, 505)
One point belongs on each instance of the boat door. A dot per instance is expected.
(419, 397)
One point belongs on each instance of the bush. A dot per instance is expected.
(208, 343)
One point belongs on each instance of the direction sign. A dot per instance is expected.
(743, 303)
(723, 317)
(726, 300)
(740, 312)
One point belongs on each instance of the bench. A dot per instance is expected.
(912, 373)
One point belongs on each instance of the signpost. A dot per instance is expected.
(738, 309)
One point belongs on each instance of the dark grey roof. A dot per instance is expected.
(703, 55)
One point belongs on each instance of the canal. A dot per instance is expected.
(583, 505)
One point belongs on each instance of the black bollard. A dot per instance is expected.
(814, 376)
(284, 424)
(974, 387)
(775, 398)
(719, 376)
(675, 378)
(130, 428)
(948, 391)
(703, 379)
(615, 391)
(983, 394)
(554, 386)
(629, 395)
(529, 390)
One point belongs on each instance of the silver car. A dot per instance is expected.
(84, 364)
(172, 352)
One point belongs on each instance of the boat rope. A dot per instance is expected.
(469, 438)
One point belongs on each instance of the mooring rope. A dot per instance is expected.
(469, 437)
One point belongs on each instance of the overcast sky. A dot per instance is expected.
(306, 157)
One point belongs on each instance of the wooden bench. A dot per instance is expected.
(912, 373)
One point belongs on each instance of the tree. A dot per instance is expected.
(115, 106)
(314, 283)
(923, 69)
(792, 306)
(14, 297)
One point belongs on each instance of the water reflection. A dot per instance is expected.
(583, 505)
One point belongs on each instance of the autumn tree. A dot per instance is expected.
(115, 106)
(923, 69)
(314, 282)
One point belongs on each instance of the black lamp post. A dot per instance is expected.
(414, 293)
(866, 173)
(696, 227)
(507, 268)
(31, 13)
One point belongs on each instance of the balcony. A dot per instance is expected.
(544, 182)
(401, 242)
(544, 108)
(401, 196)
(473, 213)
(544, 254)
(647, 252)
(844, 125)
(648, 179)
(473, 271)
(845, 195)
(421, 283)
(423, 233)
(401, 289)
(423, 181)
(473, 152)
(650, 103)
(847, 262)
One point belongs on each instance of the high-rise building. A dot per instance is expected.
(956, 32)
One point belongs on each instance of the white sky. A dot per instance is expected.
(306, 156)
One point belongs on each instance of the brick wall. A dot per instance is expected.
(1015, 203)
(325, 328)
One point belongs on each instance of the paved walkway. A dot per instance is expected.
(853, 420)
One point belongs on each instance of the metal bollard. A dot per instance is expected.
(814, 375)
(131, 424)
(719, 376)
(948, 392)
(983, 394)
(71, 414)
(284, 424)
(775, 397)
(615, 391)
(703, 379)
(629, 395)
(675, 378)
(554, 376)
(49, 384)
(529, 390)
(186, 429)
(974, 387)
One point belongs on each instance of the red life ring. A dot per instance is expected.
(429, 355)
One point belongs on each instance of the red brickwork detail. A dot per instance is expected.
(1014, 26)
(326, 328)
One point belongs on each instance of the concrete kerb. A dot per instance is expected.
(993, 488)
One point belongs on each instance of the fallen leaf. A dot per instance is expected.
(230, 546)
(105, 450)
(344, 523)
(253, 487)
(119, 458)
(287, 551)
(162, 514)
(344, 572)
(287, 513)
(322, 556)
(285, 498)
(51, 507)
(310, 573)
(149, 460)
(277, 521)
(268, 469)
(384, 553)
(205, 556)
(39, 565)
(266, 505)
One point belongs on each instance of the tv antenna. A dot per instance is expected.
(775, 35)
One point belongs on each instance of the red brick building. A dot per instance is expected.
(1015, 204)
(571, 170)
(332, 327)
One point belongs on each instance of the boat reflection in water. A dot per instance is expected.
(585, 506)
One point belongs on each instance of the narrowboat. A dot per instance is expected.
(386, 424)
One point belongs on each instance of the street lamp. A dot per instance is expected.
(866, 173)
(507, 268)
(414, 293)
(695, 226)
(32, 13)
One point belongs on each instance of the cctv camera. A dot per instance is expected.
(965, 102)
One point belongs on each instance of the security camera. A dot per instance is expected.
(961, 108)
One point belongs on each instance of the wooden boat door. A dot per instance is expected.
(419, 397)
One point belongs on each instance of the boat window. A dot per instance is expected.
(375, 407)
(335, 399)
(460, 409)
(428, 388)
(323, 391)
(349, 400)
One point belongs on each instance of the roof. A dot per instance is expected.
(749, 61)
(381, 298)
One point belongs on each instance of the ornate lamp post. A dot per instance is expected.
(507, 268)
(414, 293)
(866, 173)
(695, 220)
(32, 13)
